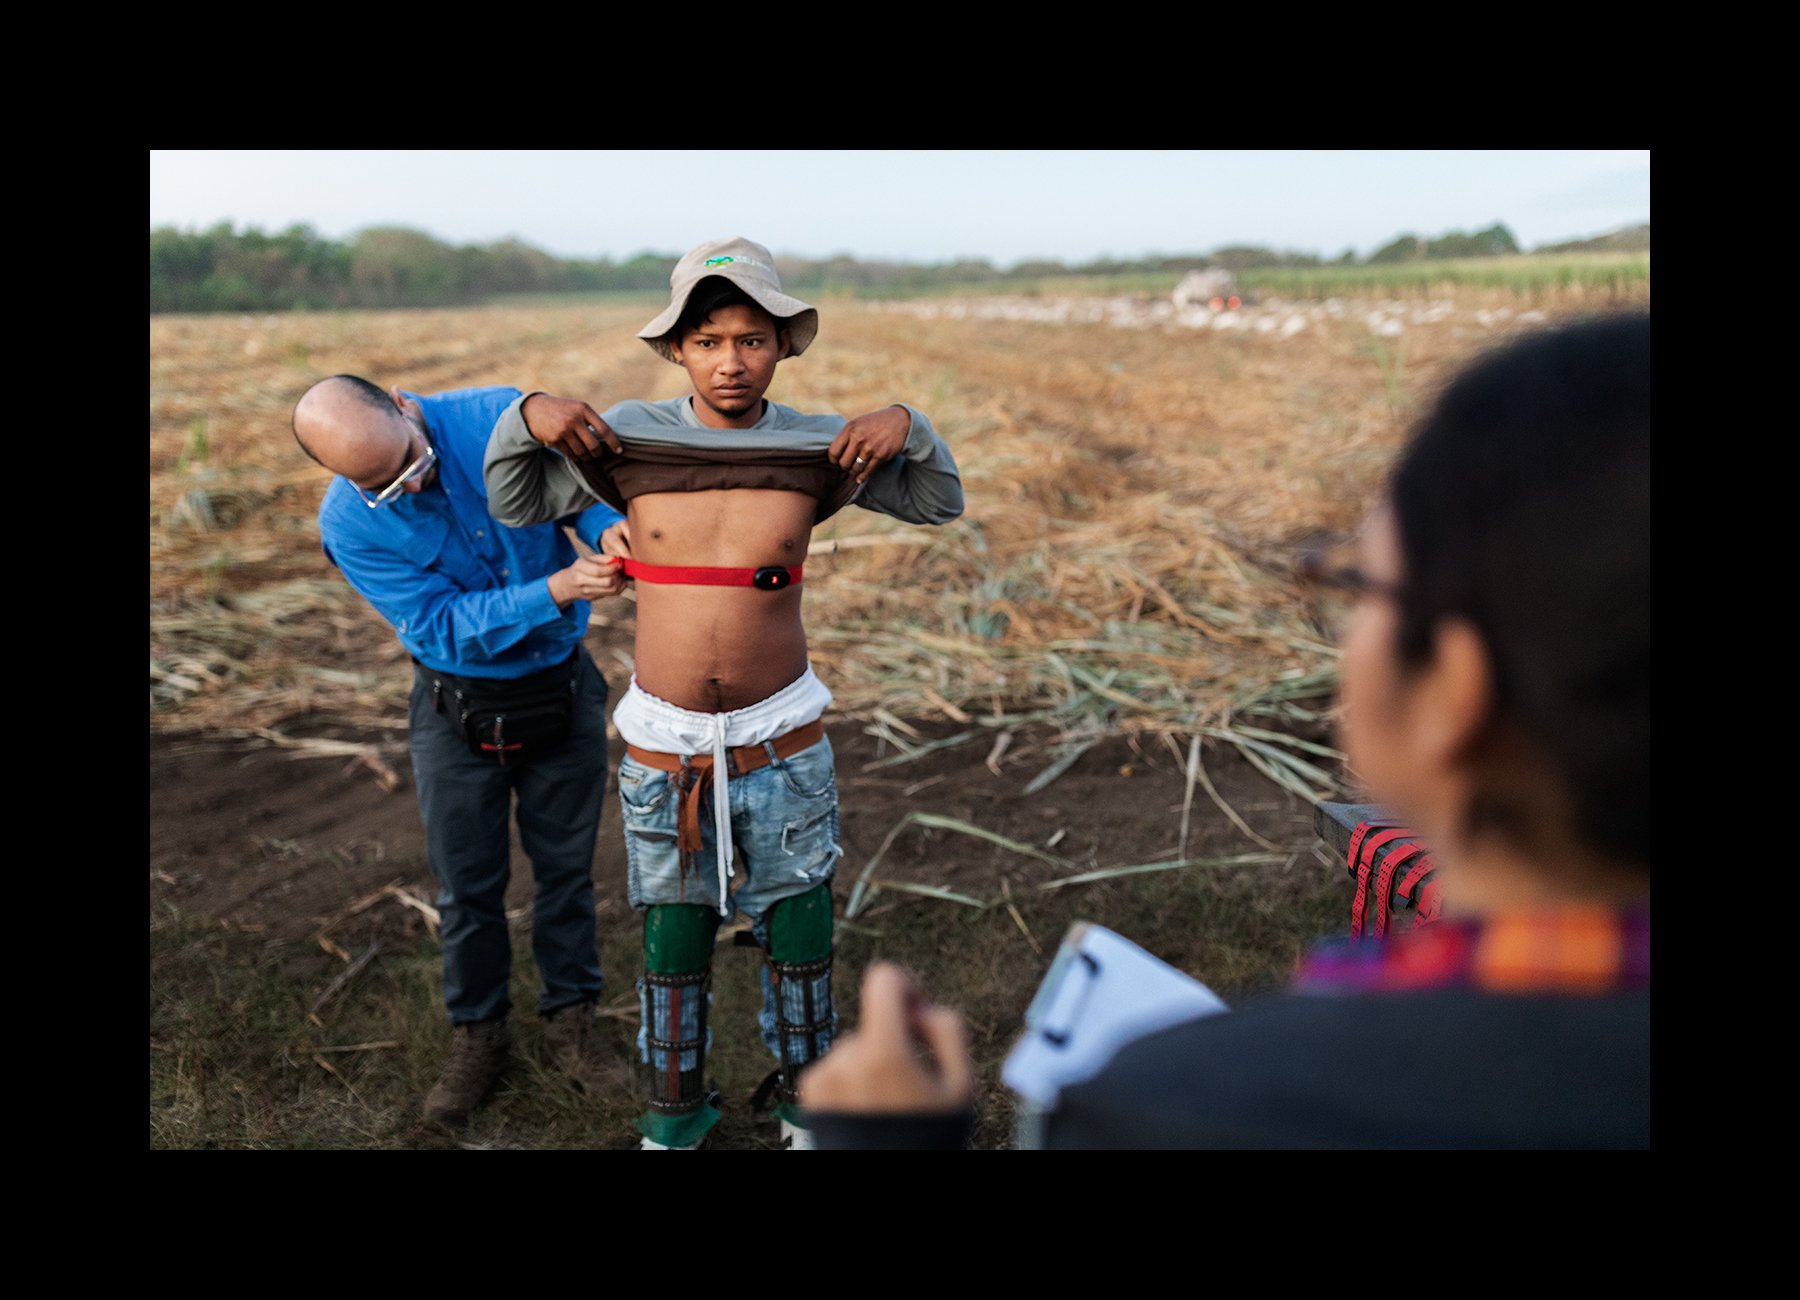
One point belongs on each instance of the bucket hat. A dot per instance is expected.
(751, 268)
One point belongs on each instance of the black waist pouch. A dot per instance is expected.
(509, 720)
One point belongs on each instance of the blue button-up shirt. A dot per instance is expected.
(465, 594)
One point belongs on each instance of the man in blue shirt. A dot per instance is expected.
(505, 701)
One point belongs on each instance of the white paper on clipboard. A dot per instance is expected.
(1102, 992)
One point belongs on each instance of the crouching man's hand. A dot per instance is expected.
(592, 577)
(615, 544)
(567, 425)
(616, 540)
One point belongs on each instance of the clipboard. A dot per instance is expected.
(1102, 991)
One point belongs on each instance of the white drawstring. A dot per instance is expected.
(721, 808)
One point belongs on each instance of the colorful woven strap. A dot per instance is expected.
(771, 577)
(1565, 949)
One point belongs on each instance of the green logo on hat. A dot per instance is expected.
(716, 261)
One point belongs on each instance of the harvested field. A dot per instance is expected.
(1107, 660)
(1137, 497)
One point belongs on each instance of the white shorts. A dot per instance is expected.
(650, 723)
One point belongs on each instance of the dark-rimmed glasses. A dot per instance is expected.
(1333, 584)
(1324, 569)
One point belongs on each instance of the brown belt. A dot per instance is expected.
(694, 774)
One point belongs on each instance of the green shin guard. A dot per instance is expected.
(800, 927)
(800, 973)
(674, 995)
(678, 938)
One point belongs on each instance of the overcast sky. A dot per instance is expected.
(916, 206)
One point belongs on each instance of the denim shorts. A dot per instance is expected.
(784, 824)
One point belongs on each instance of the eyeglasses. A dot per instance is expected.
(1334, 585)
(1322, 569)
(407, 475)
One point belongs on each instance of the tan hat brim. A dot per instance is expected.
(800, 319)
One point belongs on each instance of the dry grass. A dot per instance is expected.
(1135, 499)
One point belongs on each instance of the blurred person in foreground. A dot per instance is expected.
(505, 702)
(728, 773)
(1495, 684)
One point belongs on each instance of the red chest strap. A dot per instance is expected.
(771, 577)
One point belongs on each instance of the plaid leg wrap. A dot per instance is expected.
(675, 1041)
(803, 1017)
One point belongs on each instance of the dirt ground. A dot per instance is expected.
(255, 837)
(252, 839)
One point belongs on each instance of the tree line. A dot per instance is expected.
(224, 269)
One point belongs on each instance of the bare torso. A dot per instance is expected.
(714, 649)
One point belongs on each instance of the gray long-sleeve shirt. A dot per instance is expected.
(529, 483)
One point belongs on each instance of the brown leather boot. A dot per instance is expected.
(575, 1044)
(477, 1056)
